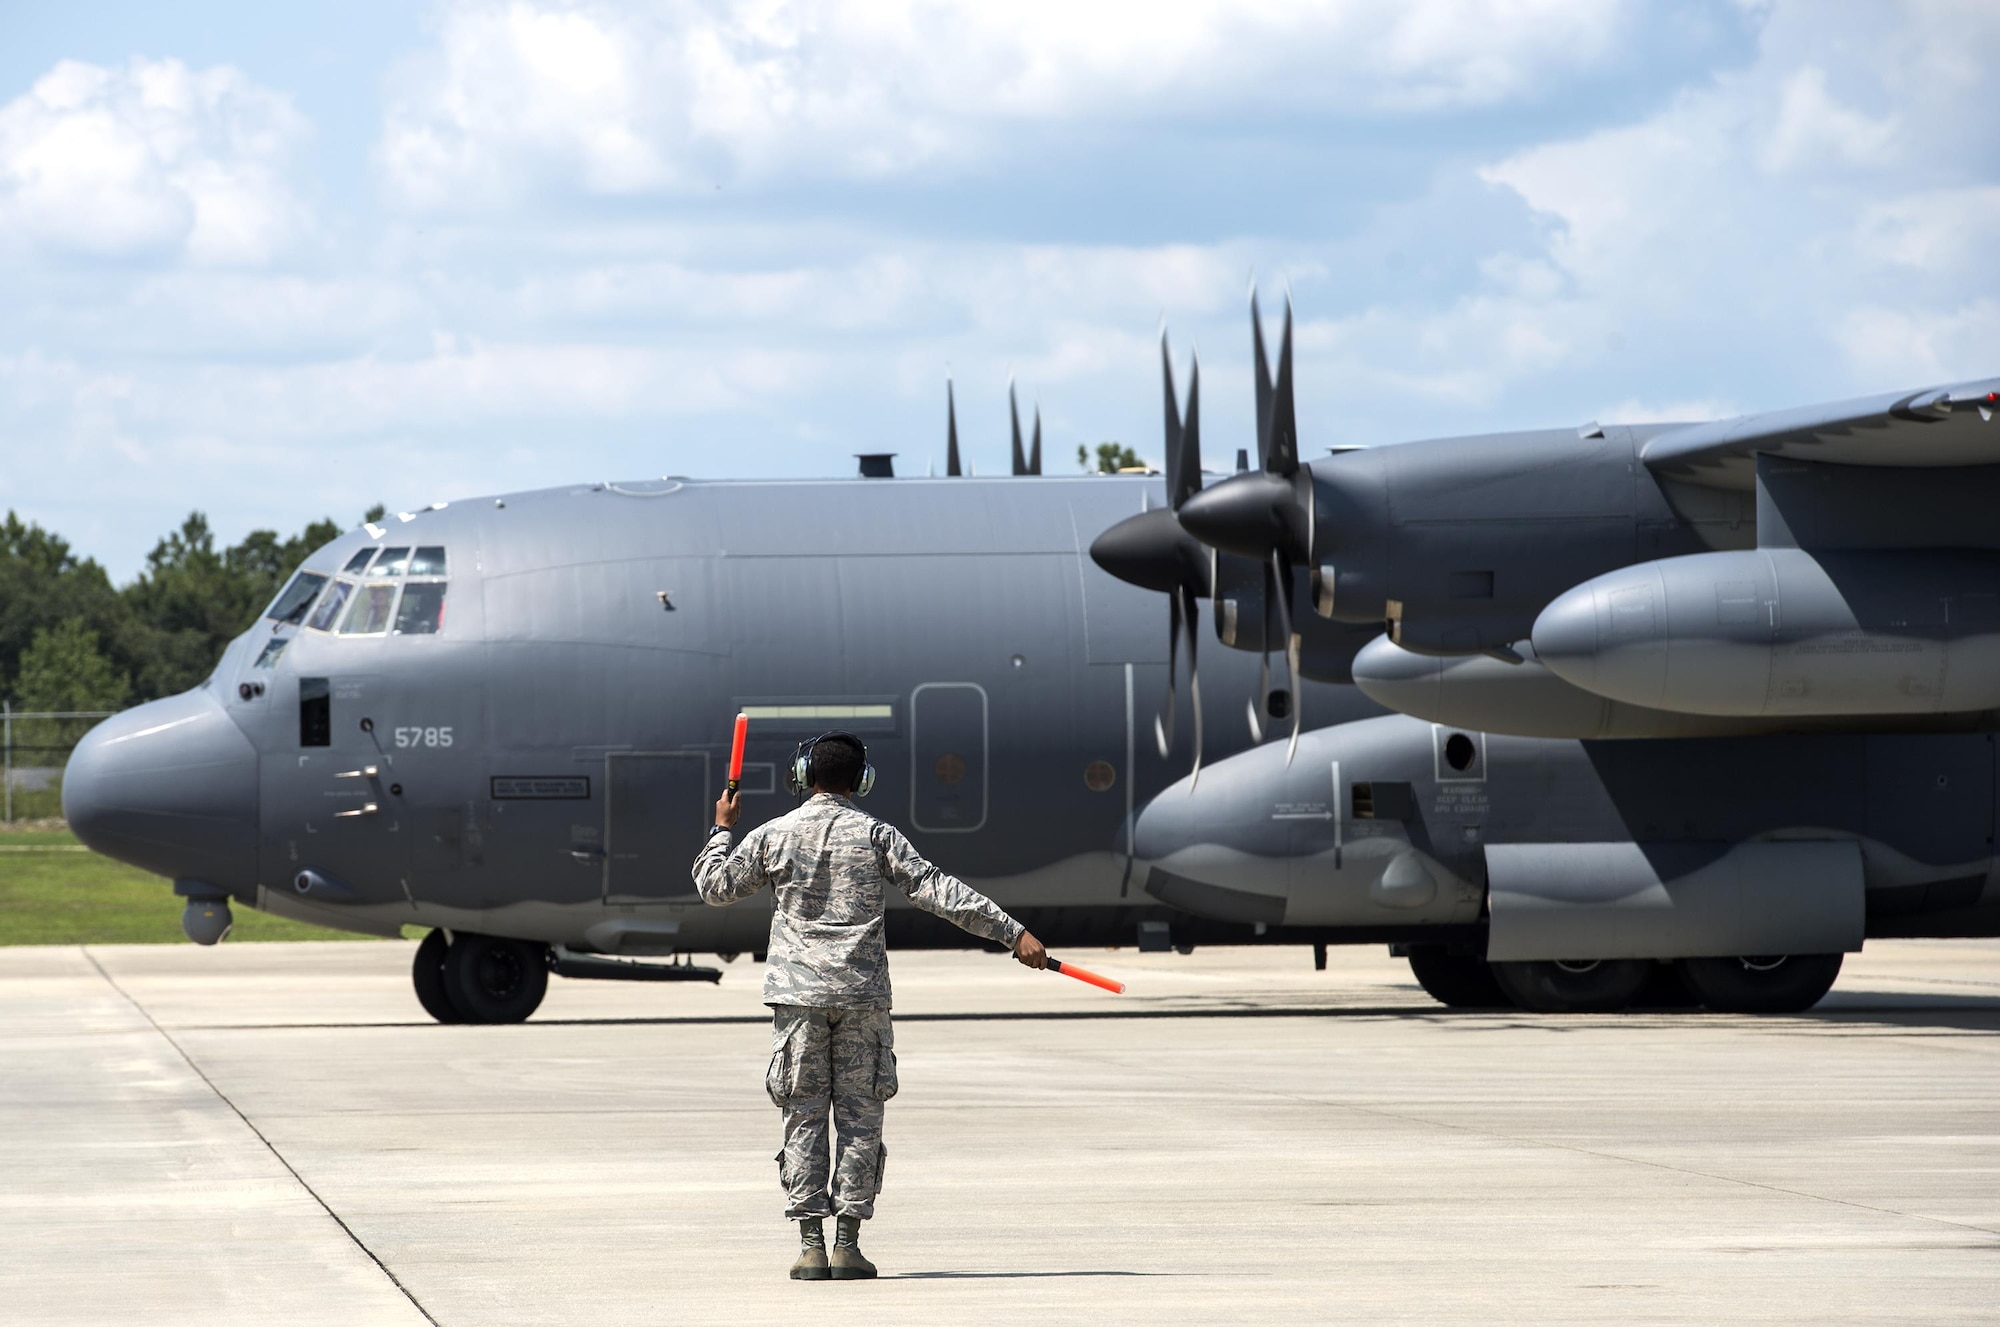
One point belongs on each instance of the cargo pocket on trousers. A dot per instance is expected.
(779, 1078)
(885, 1066)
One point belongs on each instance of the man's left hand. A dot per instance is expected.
(727, 808)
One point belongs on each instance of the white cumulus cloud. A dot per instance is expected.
(608, 100)
(151, 160)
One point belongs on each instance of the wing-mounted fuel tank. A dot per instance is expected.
(1872, 591)
(1517, 695)
(1783, 632)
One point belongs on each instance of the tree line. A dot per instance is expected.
(71, 640)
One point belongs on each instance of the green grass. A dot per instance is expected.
(53, 892)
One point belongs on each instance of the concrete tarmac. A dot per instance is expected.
(273, 1134)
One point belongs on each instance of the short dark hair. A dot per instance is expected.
(837, 760)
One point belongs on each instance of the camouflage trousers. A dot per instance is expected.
(837, 1064)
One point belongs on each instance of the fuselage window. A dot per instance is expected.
(422, 613)
(358, 561)
(291, 605)
(373, 607)
(427, 562)
(330, 605)
(392, 562)
(274, 649)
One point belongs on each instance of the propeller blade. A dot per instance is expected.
(1264, 389)
(1190, 466)
(1282, 457)
(1173, 458)
(1035, 455)
(950, 430)
(1281, 568)
(1194, 679)
(1020, 460)
(1263, 673)
(1163, 724)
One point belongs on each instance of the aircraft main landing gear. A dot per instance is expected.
(1780, 984)
(1600, 986)
(1456, 981)
(470, 978)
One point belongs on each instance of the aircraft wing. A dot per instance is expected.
(1936, 426)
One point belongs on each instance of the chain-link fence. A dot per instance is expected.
(34, 749)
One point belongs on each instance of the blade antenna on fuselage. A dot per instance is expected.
(950, 429)
(1020, 459)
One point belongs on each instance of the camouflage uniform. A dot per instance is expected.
(826, 978)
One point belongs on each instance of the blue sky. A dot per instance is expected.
(277, 262)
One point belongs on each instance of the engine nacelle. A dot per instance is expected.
(1785, 632)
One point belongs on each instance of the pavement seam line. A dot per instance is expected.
(257, 1133)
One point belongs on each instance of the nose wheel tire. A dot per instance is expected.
(1781, 984)
(427, 973)
(492, 980)
(1456, 981)
(1600, 986)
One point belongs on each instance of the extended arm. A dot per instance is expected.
(724, 877)
(948, 897)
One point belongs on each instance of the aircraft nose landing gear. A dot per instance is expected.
(471, 978)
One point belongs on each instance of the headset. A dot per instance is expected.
(800, 774)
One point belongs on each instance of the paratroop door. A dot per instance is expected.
(948, 757)
(657, 810)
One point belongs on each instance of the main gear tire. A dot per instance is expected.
(1456, 981)
(1596, 986)
(1780, 984)
(427, 975)
(492, 980)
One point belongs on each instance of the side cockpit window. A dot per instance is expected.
(396, 591)
(292, 604)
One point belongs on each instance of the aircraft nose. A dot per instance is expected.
(169, 787)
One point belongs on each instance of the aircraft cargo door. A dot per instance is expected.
(948, 757)
(657, 810)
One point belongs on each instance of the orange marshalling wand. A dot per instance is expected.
(1081, 974)
(736, 752)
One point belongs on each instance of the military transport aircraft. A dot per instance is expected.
(1801, 609)
(504, 718)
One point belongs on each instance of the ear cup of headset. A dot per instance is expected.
(862, 788)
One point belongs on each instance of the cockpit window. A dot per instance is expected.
(291, 605)
(403, 595)
(422, 613)
(274, 649)
(330, 605)
(371, 611)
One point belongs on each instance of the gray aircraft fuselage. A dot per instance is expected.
(540, 761)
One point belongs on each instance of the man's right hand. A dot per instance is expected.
(1028, 950)
(727, 808)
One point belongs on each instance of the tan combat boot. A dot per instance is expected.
(846, 1260)
(811, 1262)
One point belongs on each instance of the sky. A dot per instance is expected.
(278, 262)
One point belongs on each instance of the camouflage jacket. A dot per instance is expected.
(830, 864)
